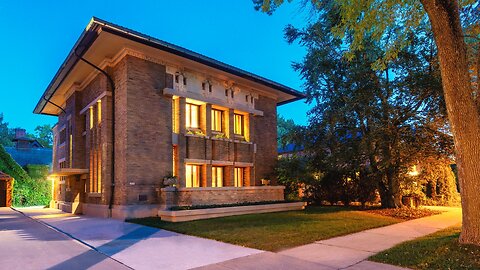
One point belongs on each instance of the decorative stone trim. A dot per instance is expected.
(212, 100)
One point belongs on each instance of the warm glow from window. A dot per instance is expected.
(175, 113)
(239, 174)
(174, 159)
(192, 115)
(99, 112)
(217, 120)
(91, 117)
(238, 124)
(217, 176)
(99, 171)
(192, 178)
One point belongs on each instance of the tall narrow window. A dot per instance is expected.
(217, 120)
(63, 136)
(99, 112)
(91, 117)
(174, 160)
(238, 124)
(99, 171)
(192, 178)
(239, 174)
(217, 176)
(192, 113)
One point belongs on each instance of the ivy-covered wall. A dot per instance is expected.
(31, 186)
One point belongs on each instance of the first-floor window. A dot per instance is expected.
(239, 175)
(192, 178)
(217, 176)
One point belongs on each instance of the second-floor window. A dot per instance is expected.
(217, 120)
(192, 116)
(238, 127)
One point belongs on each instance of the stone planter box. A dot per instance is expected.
(171, 196)
(189, 215)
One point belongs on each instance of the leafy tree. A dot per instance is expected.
(44, 135)
(5, 133)
(289, 132)
(391, 22)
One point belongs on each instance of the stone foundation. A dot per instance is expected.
(171, 196)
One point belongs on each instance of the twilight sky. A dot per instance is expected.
(37, 36)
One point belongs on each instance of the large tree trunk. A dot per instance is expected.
(462, 112)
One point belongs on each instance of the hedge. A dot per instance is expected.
(28, 190)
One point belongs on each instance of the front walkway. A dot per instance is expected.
(350, 250)
(141, 247)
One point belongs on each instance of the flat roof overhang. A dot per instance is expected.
(69, 172)
(101, 40)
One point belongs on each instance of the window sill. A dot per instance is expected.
(196, 135)
(94, 195)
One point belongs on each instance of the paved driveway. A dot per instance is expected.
(27, 244)
(140, 247)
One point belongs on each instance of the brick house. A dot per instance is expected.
(154, 109)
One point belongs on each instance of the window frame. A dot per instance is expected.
(190, 181)
(216, 182)
(214, 123)
(242, 124)
(189, 116)
(236, 172)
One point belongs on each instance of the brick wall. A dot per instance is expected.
(148, 132)
(265, 136)
(227, 195)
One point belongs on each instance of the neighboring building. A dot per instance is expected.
(175, 111)
(28, 151)
(290, 150)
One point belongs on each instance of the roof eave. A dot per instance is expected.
(89, 35)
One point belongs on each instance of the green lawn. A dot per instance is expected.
(277, 231)
(440, 250)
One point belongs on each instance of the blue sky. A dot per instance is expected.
(37, 36)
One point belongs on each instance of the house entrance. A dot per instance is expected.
(6, 190)
(3, 194)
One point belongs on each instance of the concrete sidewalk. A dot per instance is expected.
(26, 244)
(139, 247)
(351, 251)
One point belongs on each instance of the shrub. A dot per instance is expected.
(27, 190)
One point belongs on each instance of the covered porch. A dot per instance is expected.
(68, 189)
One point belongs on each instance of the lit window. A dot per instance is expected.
(238, 124)
(217, 176)
(99, 112)
(217, 120)
(192, 116)
(192, 178)
(91, 117)
(239, 174)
